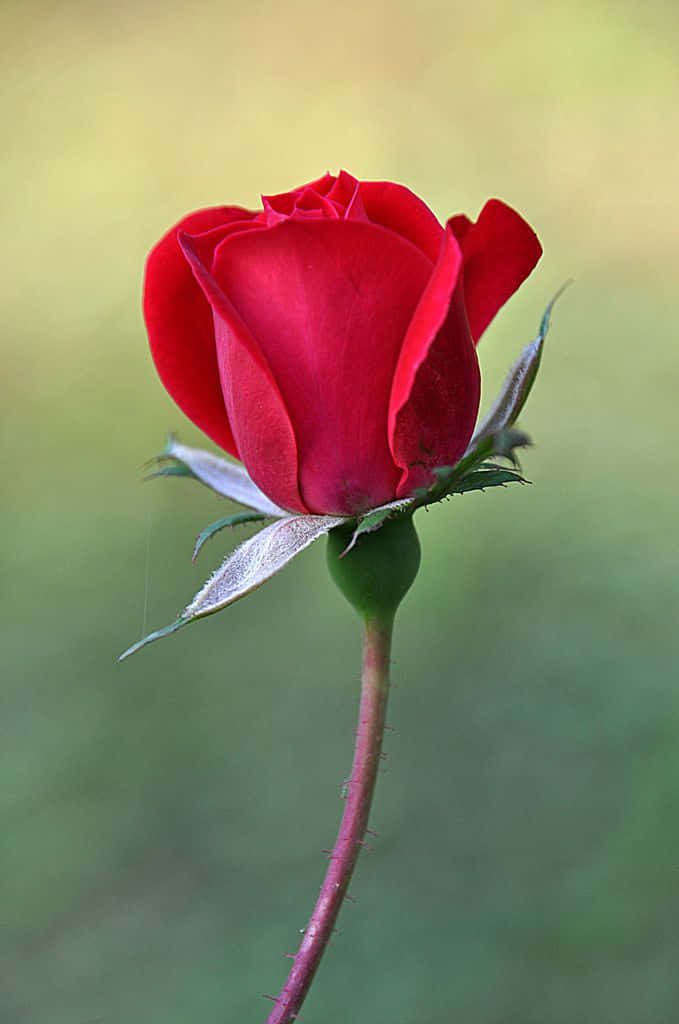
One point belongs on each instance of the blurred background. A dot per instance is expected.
(162, 820)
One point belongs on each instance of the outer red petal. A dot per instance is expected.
(397, 208)
(499, 251)
(329, 303)
(437, 385)
(181, 333)
(261, 425)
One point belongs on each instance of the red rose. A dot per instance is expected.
(327, 340)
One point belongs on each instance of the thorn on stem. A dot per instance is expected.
(369, 832)
(350, 898)
(274, 999)
(290, 956)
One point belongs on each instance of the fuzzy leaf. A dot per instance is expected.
(252, 563)
(518, 384)
(222, 524)
(230, 479)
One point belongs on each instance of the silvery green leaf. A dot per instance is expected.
(518, 384)
(230, 479)
(252, 563)
(235, 520)
(514, 393)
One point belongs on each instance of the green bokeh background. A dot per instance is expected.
(162, 819)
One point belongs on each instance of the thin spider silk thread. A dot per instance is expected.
(147, 566)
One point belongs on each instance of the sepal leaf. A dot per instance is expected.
(222, 524)
(175, 469)
(252, 563)
(376, 518)
(483, 477)
(496, 436)
(230, 479)
(450, 479)
(517, 386)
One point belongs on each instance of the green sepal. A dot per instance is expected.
(246, 568)
(368, 524)
(175, 467)
(178, 469)
(481, 478)
(450, 479)
(519, 381)
(221, 524)
(225, 477)
(374, 520)
(157, 634)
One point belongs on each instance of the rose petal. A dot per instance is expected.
(180, 327)
(397, 208)
(284, 202)
(205, 243)
(346, 192)
(329, 303)
(436, 390)
(499, 251)
(309, 202)
(259, 419)
(459, 225)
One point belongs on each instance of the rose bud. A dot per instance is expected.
(328, 339)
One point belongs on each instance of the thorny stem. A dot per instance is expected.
(360, 789)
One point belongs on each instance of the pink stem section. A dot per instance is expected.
(360, 789)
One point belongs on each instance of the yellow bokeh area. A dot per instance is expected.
(163, 818)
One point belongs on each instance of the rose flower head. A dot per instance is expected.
(328, 340)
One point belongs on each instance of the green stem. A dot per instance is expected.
(360, 788)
